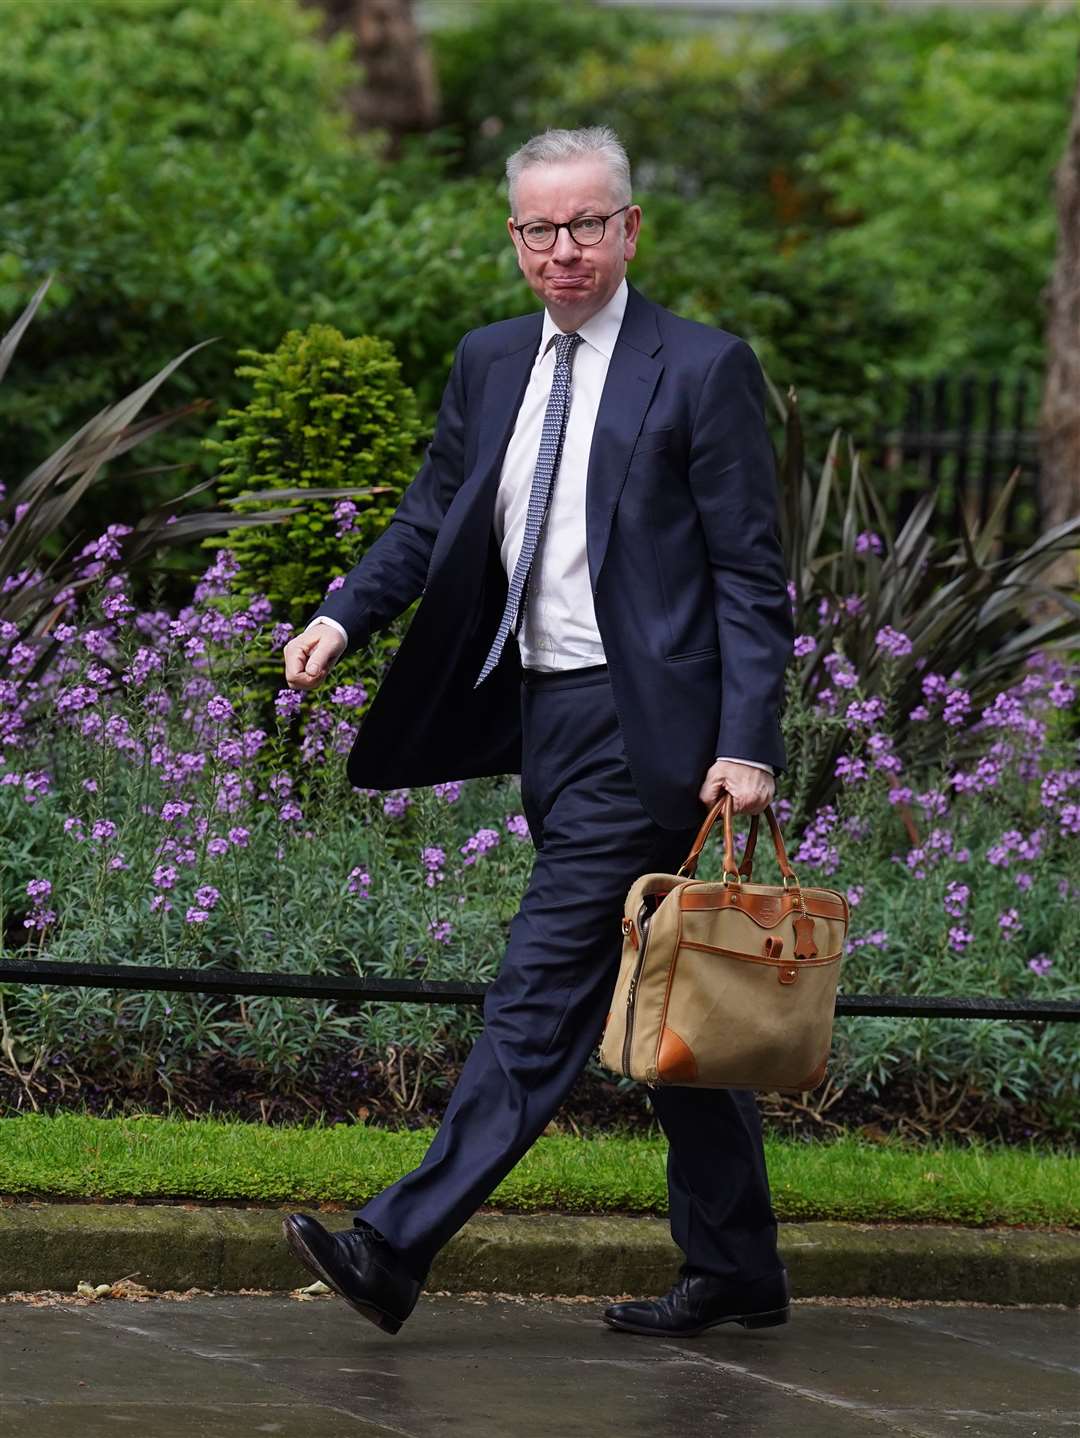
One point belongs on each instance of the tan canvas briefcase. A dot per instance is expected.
(728, 984)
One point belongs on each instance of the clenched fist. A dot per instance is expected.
(751, 789)
(310, 656)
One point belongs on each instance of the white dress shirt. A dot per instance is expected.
(558, 629)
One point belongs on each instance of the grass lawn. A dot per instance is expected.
(80, 1156)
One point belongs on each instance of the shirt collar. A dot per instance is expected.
(601, 331)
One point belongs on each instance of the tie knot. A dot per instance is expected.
(565, 345)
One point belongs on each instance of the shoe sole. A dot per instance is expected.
(304, 1255)
(770, 1319)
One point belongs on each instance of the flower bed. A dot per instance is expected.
(157, 806)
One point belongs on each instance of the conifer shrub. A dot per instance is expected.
(326, 412)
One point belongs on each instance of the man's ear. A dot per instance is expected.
(514, 241)
(631, 231)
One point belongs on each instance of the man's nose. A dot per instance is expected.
(566, 248)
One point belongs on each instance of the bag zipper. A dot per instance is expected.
(628, 1034)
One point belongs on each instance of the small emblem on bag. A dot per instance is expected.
(805, 948)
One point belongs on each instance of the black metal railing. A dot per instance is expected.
(964, 436)
(356, 990)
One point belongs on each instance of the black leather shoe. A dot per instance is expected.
(699, 1301)
(360, 1265)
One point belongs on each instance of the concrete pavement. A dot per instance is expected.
(495, 1367)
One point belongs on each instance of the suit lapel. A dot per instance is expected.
(472, 513)
(504, 389)
(631, 379)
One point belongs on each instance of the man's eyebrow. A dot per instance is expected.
(538, 219)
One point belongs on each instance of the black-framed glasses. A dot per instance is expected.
(584, 230)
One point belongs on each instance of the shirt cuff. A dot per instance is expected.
(752, 762)
(325, 619)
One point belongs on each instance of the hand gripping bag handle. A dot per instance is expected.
(725, 806)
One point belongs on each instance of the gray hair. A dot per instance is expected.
(554, 146)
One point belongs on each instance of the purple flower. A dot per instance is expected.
(145, 663)
(345, 512)
(960, 938)
(117, 606)
(517, 825)
(877, 939)
(174, 809)
(159, 901)
(215, 581)
(449, 792)
(892, 641)
(217, 846)
(290, 812)
(40, 919)
(852, 770)
(196, 916)
(396, 803)
(854, 895)
(440, 930)
(1009, 922)
(164, 876)
(334, 584)
(479, 843)
(287, 704)
(355, 695)
(956, 898)
(359, 882)
(957, 707)
(840, 671)
(1040, 965)
(218, 708)
(39, 889)
(117, 862)
(804, 644)
(70, 701)
(105, 546)
(814, 847)
(104, 829)
(870, 711)
(239, 836)
(868, 542)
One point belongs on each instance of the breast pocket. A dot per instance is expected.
(652, 440)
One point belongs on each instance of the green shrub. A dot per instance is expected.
(326, 413)
(155, 151)
(816, 174)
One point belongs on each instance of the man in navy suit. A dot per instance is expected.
(594, 532)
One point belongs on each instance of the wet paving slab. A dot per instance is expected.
(219, 1366)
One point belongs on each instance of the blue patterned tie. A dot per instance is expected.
(547, 466)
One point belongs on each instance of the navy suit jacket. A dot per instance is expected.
(685, 561)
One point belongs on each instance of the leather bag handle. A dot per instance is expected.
(725, 806)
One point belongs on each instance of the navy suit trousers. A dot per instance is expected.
(545, 1011)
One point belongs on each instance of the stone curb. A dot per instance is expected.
(167, 1246)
